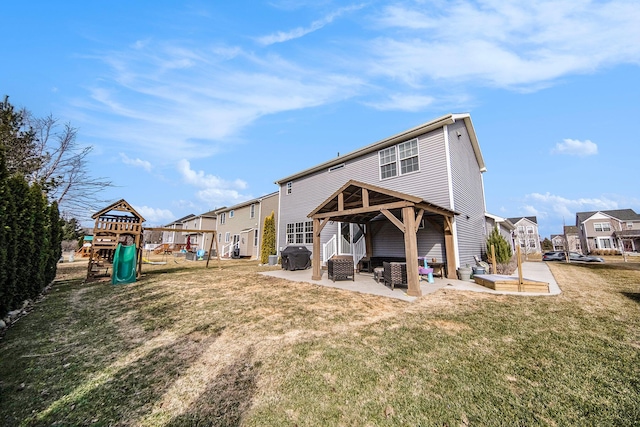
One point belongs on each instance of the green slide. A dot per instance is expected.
(124, 265)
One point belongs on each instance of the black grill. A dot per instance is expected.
(295, 258)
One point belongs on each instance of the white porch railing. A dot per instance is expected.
(226, 250)
(359, 249)
(329, 249)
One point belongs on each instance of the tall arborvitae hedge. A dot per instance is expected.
(30, 239)
(268, 238)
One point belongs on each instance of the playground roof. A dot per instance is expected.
(121, 206)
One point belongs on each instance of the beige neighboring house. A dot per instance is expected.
(571, 233)
(240, 226)
(175, 237)
(526, 234)
(612, 229)
(505, 227)
(198, 239)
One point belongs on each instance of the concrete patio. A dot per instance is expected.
(365, 283)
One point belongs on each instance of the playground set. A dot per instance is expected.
(117, 236)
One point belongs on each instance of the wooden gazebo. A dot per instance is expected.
(117, 223)
(360, 203)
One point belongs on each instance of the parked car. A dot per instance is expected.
(575, 256)
(553, 256)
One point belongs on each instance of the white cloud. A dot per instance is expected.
(283, 36)
(575, 147)
(171, 102)
(404, 102)
(136, 162)
(155, 216)
(504, 44)
(213, 190)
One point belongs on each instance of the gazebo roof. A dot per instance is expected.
(358, 202)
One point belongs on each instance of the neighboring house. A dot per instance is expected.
(505, 227)
(570, 236)
(199, 239)
(612, 229)
(417, 193)
(526, 234)
(557, 240)
(240, 227)
(175, 235)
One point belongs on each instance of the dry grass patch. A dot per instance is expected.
(227, 346)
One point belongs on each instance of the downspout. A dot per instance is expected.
(259, 245)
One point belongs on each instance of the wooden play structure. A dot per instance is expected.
(120, 223)
(117, 223)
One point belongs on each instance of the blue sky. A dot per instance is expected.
(195, 105)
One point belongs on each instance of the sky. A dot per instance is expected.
(195, 105)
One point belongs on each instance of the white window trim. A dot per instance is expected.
(398, 160)
(299, 233)
(252, 210)
(288, 188)
(227, 237)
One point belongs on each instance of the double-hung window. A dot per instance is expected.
(400, 159)
(300, 232)
(602, 226)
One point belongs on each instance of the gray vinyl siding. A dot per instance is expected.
(468, 197)
(430, 183)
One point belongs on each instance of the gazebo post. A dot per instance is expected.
(315, 263)
(411, 251)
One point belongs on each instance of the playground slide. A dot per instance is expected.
(124, 265)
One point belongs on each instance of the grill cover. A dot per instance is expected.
(295, 258)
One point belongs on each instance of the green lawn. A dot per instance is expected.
(186, 346)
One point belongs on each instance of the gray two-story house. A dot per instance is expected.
(418, 193)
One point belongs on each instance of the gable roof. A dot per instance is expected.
(181, 220)
(246, 203)
(520, 218)
(621, 214)
(500, 220)
(120, 206)
(398, 138)
(350, 204)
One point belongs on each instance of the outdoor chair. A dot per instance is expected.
(395, 273)
(340, 268)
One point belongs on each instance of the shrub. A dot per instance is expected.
(268, 238)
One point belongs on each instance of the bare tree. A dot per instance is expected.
(64, 168)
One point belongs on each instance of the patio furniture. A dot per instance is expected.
(340, 268)
(395, 273)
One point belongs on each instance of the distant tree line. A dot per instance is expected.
(30, 223)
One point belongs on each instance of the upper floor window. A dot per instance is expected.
(252, 211)
(602, 226)
(629, 225)
(223, 218)
(529, 229)
(231, 213)
(400, 159)
(289, 187)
